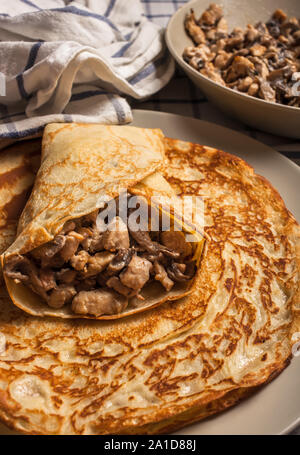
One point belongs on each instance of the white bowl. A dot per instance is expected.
(260, 114)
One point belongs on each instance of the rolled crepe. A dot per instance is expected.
(82, 166)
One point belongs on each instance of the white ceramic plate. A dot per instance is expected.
(275, 409)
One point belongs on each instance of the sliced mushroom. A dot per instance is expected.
(266, 91)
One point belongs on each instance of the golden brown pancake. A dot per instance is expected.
(159, 370)
(18, 166)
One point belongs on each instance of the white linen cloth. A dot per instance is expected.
(76, 61)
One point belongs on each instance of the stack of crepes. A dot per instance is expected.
(183, 351)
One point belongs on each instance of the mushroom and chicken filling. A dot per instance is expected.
(262, 61)
(97, 271)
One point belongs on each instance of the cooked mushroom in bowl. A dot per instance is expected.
(262, 60)
(272, 117)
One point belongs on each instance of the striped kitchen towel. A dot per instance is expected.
(64, 61)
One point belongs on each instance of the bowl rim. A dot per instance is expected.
(196, 73)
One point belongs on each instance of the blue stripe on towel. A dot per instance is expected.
(68, 118)
(27, 2)
(118, 108)
(14, 134)
(123, 49)
(32, 55)
(30, 62)
(128, 36)
(110, 7)
(22, 90)
(86, 94)
(151, 68)
(81, 12)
